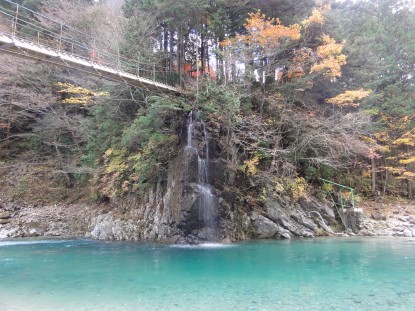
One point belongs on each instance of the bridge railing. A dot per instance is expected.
(35, 28)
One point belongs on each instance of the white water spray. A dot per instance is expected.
(206, 199)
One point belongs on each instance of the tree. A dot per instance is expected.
(381, 54)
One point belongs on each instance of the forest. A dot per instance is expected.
(292, 91)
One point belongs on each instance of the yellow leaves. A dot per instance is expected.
(118, 175)
(331, 58)
(400, 172)
(408, 175)
(115, 161)
(398, 142)
(329, 47)
(404, 141)
(395, 170)
(70, 88)
(318, 16)
(368, 139)
(77, 95)
(382, 137)
(407, 161)
(366, 174)
(250, 166)
(108, 153)
(349, 98)
(407, 139)
(297, 187)
(383, 149)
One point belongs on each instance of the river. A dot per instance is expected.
(309, 274)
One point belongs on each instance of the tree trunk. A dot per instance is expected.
(225, 67)
(373, 176)
(179, 55)
(171, 49)
(222, 69)
(165, 47)
(207, 58)
(385, 184)
(202, 52)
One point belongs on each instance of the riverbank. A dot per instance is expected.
(388, 219)
(102, 223)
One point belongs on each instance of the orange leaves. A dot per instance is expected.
(266, 39)
(317, 16)
(349, 98)
(301, 56)
(298, 62)
(329, 47)
(331, 58)
(265, 32)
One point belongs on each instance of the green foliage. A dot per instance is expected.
(105, 132)
(381, 52)
(323, 171)
(135, 152)
(222, 103)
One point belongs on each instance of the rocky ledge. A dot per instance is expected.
(389, 220)
(100, 222)
(52, 220)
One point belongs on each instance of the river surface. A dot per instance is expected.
(314, 274)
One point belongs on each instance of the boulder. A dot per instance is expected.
(265, 228)
(308, 223)
(5, 215)
(378, 216)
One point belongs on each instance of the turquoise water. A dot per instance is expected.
(319, 274)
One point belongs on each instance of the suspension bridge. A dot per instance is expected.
(32, 35)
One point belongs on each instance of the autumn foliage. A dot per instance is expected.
(349, 98)
(318, 16)
(330, 57)
(268, 32)
(77, 95)
(266, 37)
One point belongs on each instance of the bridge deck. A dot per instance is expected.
(31, 50)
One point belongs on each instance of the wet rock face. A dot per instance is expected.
(177, 209)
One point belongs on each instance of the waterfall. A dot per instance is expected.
(206, 199)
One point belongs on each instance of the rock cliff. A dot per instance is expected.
(199, 198)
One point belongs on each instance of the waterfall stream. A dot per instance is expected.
(206, 199)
